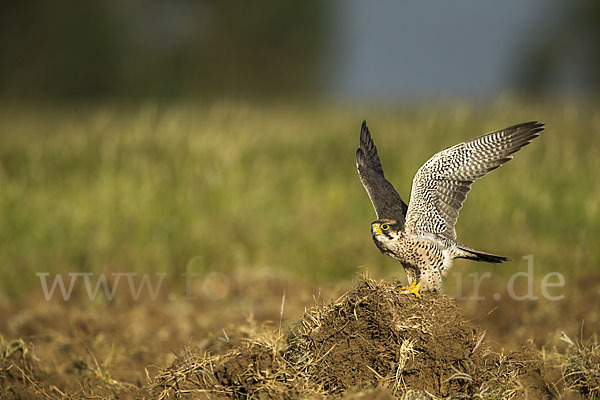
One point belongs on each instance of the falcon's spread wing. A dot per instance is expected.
(441, 185)
(385, 199)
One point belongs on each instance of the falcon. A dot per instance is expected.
(421, 235)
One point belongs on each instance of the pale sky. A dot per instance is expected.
(416, 48)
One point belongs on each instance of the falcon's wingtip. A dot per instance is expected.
(366, 155)
(365, 135)
(533, 126)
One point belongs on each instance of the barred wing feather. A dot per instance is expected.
(440, 187)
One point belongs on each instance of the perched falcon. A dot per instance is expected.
(421, 235)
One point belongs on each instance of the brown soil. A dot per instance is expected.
(370, 343)
(376, 333)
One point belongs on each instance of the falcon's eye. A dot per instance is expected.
(385, 227)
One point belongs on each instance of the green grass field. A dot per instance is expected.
(147, 188)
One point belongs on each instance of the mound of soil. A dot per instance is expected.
(375, 332)
(372, 338)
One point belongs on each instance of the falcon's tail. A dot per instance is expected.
(471, 254)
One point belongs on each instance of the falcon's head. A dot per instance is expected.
(385, 230)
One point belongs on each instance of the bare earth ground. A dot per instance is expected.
(357, 340)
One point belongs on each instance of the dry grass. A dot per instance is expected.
(370, 342)
(255, 368)
(581, 367)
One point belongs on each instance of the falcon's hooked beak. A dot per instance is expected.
(376, 230)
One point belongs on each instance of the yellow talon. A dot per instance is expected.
(413, 288)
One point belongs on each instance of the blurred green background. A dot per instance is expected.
(135, 136)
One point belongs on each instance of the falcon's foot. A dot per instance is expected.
(413, 288)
